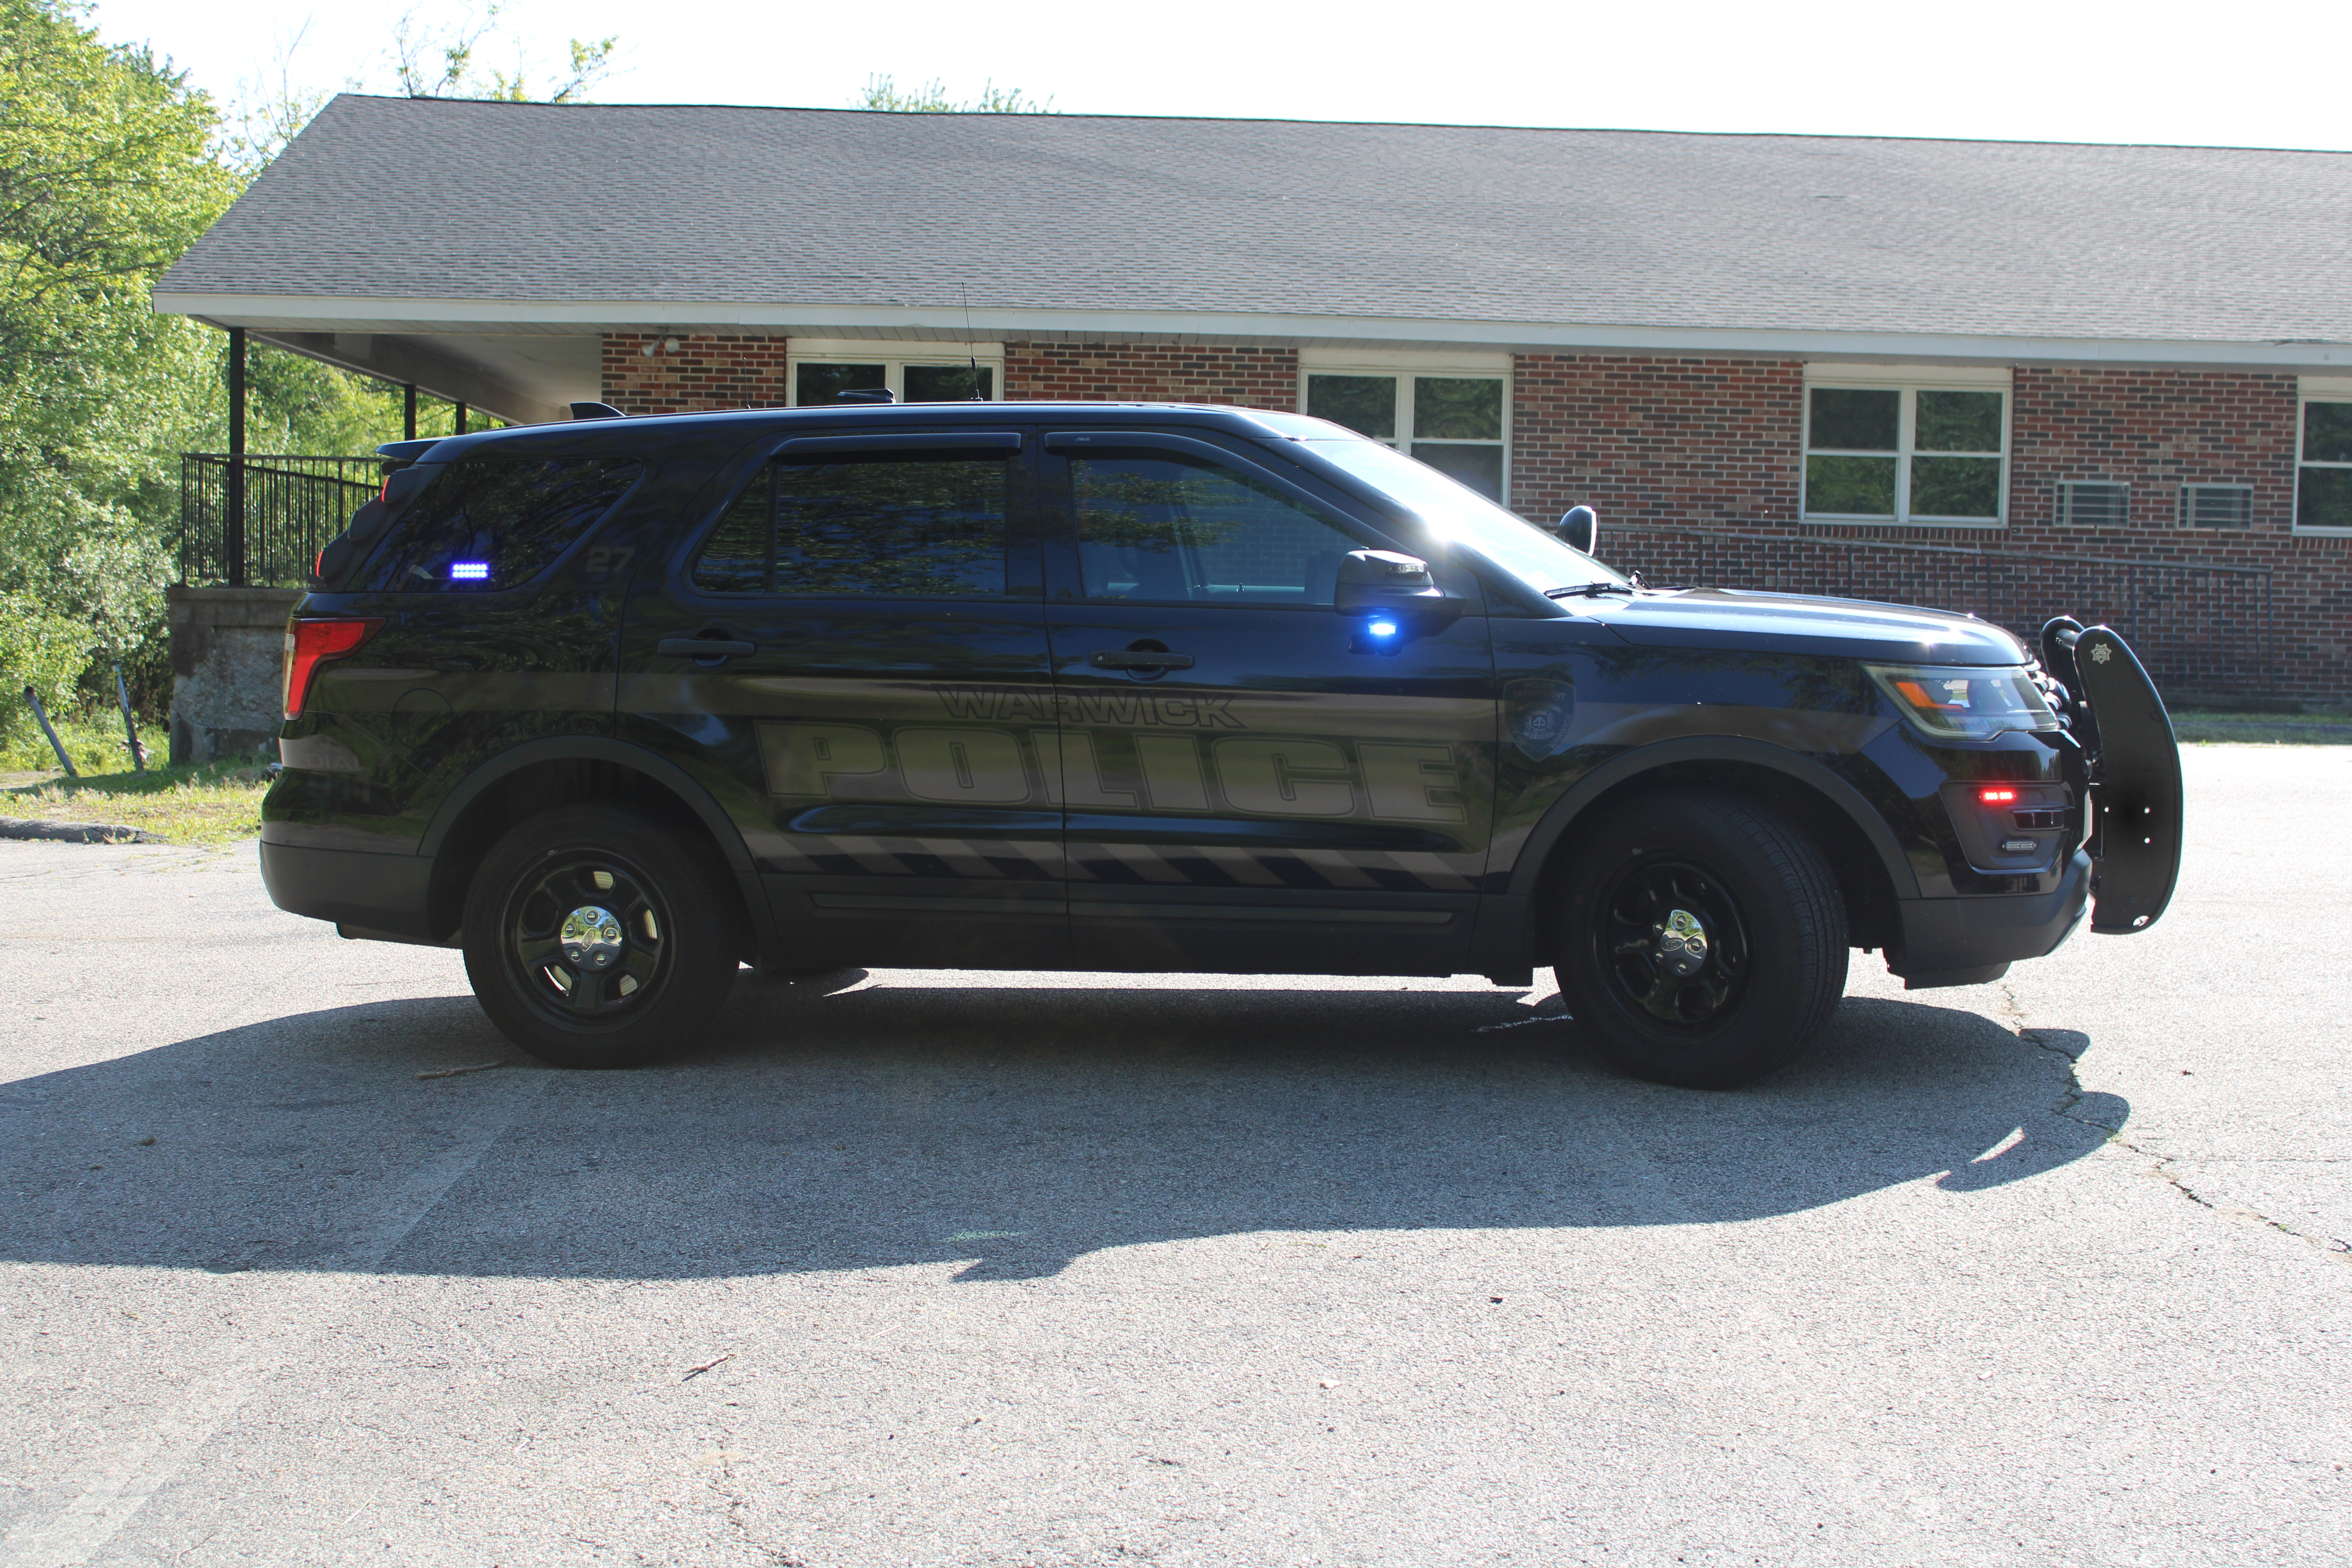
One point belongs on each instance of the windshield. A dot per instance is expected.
(1456, 513)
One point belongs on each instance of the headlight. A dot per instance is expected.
(1965, 702)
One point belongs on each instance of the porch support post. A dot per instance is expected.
(408, 411)
(232, 500)
(461, 419)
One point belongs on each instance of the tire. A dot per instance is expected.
(1769, 962)
(638, 984)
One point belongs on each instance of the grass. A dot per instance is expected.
(2202, 726)
(219, 803)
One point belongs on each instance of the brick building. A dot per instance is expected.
(2000, 376)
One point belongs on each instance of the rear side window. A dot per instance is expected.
(492, 521)
(873, 527)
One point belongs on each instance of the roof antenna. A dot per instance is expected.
(970, 346)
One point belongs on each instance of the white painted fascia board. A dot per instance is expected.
(353, 313)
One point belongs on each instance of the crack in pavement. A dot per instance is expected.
(2012, 1015)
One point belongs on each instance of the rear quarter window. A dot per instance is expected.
(493, 522)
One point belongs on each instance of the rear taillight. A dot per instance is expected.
(309, 640)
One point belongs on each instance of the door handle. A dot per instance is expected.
(703, 648)
(1139, 659)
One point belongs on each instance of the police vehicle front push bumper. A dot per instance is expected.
(1966, 941)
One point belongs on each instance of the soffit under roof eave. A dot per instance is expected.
(1270, 329)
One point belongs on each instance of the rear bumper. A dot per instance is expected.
(1966, 942)
(377, 893)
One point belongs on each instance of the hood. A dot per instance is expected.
(1806, 623)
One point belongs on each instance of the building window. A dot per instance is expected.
(1452, 422)
(820, 373)
(2323, 479)
(1923, 455)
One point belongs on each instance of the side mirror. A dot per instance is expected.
(1580, 528)
(1394, 595)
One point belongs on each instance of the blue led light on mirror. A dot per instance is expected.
(469, 571)
(1381, 628)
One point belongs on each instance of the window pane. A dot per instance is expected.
(2327, 432)
(1480, 468)
(2323, 499)
(492, 522)
(906, 529)
(735, 560)
(1166, 528)
(950, 384)
(1861, 484)
(1447, 408)
(1364, 404)
(1956, 422)
(1955, 486)
(817, 384)
(1856, 421)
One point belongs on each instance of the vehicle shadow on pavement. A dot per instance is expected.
(1008, 1129)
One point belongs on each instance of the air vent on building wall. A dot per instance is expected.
(2088, 503)
(2216, 506)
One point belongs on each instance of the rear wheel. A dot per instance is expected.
(1699, 941)
(595, 938)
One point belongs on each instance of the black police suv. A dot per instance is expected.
(619, 705)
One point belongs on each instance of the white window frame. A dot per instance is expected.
(1909, 380)
(1404, 366)
(2315, 389)
(894, 355)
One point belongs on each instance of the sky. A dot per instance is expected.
(2251, 73)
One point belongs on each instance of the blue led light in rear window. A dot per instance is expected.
(469, 571)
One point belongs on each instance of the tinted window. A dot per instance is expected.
(1167, 528)
(491, 523)
(875, 526)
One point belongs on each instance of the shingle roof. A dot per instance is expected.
(541, 204)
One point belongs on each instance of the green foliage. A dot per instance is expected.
(106, 174)
(883, 92)
(439, 62)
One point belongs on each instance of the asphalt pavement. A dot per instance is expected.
(1041, 1269)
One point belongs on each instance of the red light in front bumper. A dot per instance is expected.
(308, 641)
(1996, 796)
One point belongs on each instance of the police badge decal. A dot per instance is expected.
(1539, 714)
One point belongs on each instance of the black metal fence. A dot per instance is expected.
(262, 519)
(2201, 626)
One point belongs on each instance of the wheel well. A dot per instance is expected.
(529, 790)
(1869, 892)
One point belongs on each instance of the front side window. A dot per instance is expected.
(2323, 479)
(873, 527)
(1911, 455)
(491, 522)
(1165, 528)
(1453, 423)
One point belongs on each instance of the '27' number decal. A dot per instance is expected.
(609, 558)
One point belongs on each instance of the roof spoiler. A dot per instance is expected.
(596, 411)
(408, 451)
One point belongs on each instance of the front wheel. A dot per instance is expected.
(595, 938)
(1699, 941)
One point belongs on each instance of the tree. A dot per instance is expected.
(883, 92)
(107, 173)
(439, 62)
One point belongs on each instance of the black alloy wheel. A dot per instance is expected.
(594, 938)
(1672, 944)
(1700, 940)
(586, 939)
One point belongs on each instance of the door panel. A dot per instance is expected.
(856, 594)
(1248, 786)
